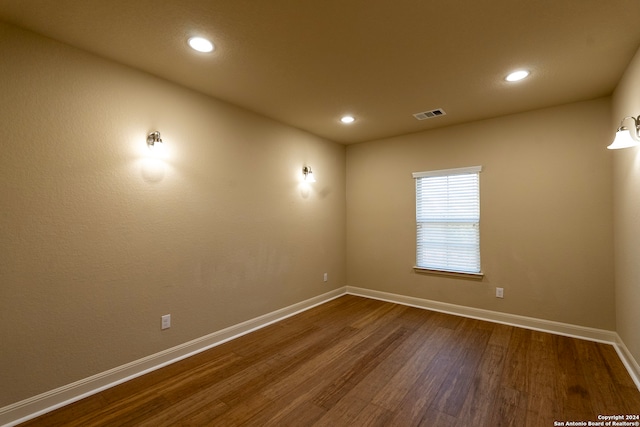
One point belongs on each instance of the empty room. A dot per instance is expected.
(234, 212)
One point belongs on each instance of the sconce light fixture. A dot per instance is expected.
(626, 137)
(154, 138)
(308, 174)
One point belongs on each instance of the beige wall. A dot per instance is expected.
(99, 240)
(626, 180)
(546, 218)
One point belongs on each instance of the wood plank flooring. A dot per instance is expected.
(361, 362)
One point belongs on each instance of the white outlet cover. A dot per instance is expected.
(166, 321)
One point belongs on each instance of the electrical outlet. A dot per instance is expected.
(326, 277)
(166, 321)
(499, 292)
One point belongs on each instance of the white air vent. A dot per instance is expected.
(430, 114)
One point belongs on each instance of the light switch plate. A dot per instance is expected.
(166, 321)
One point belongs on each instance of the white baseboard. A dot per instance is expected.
(628, 360)
(35, 406)
(558, 328)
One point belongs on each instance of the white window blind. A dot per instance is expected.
(448, 220)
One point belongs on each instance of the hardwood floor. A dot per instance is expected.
(361, 362)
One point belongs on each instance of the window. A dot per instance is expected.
(448, 220)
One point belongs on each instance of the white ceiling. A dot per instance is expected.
(306, 63)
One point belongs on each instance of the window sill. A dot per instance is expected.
(470, 276)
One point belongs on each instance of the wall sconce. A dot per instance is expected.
(625, 137)
(308, 174)
(154, 138)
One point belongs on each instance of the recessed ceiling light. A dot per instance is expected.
(517, 75)
(347, 119)
(200, 44)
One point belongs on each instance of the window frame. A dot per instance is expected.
(443, 271)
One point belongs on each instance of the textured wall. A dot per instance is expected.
(99, 239)
(626, 102)
(546, 218)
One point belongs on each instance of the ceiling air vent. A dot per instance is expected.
(430, 114)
